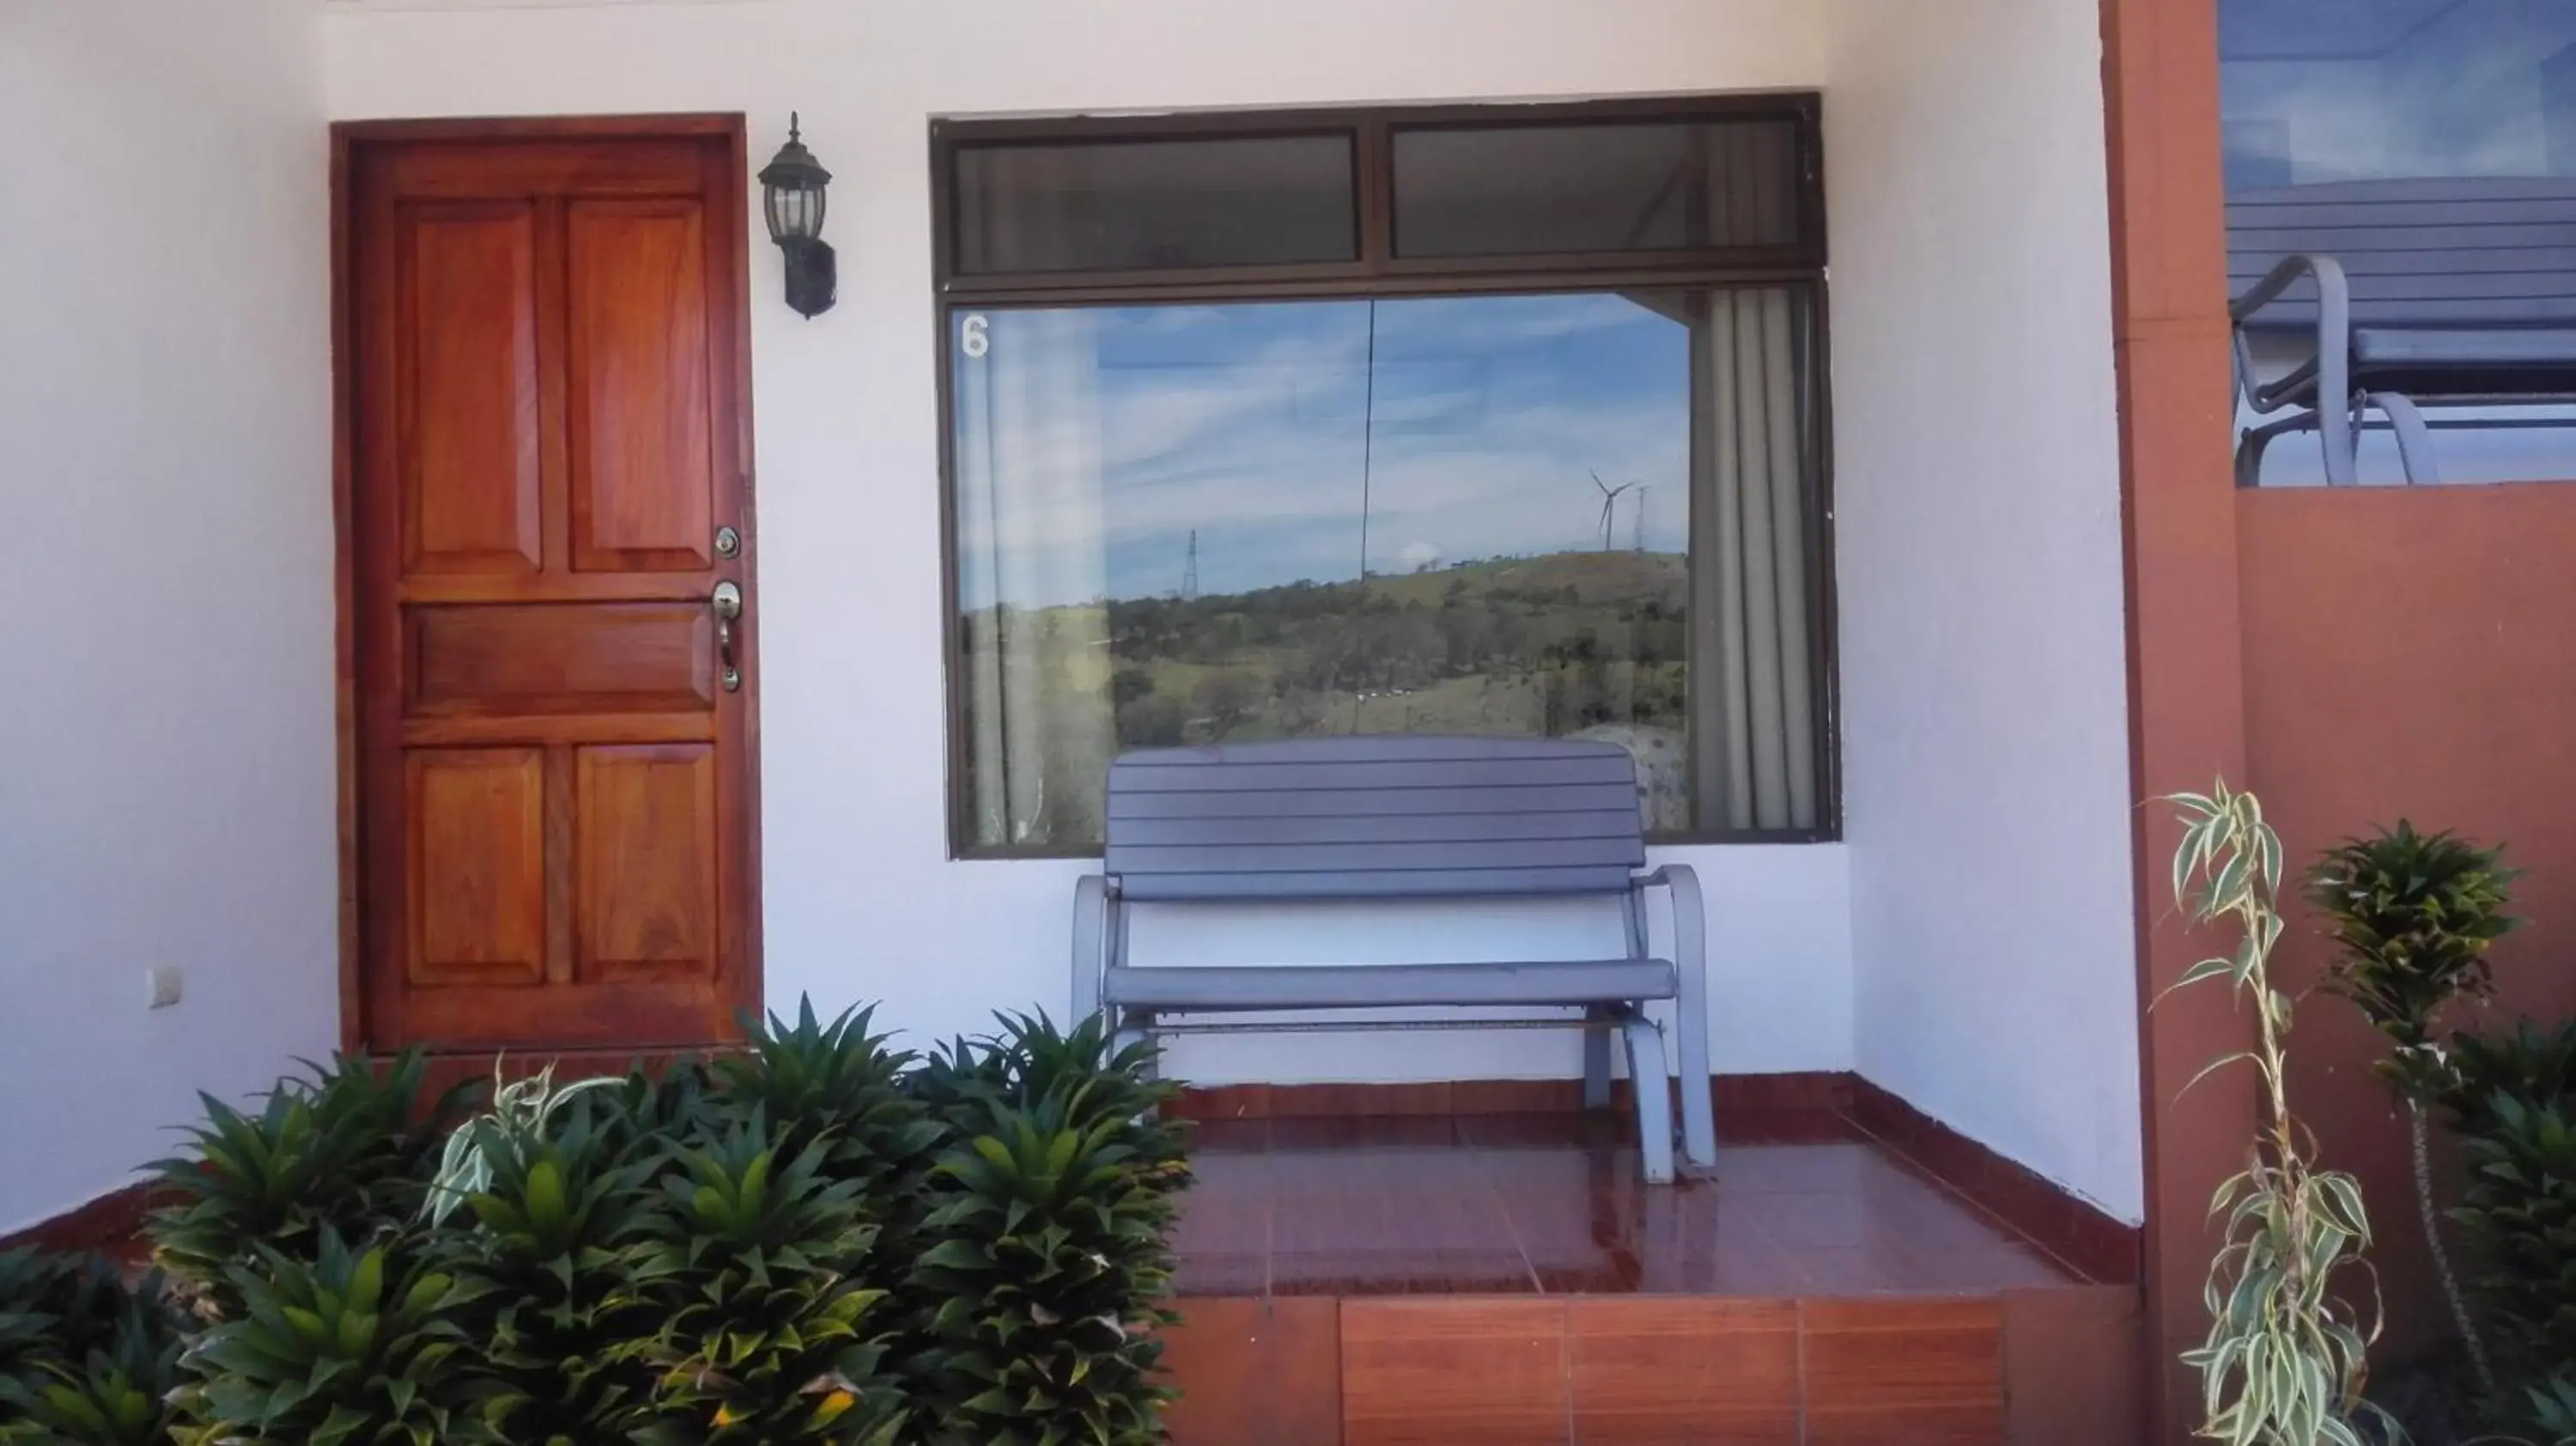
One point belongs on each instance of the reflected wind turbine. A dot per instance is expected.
(1609, 502)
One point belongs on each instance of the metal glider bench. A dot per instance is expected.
(1484, 822)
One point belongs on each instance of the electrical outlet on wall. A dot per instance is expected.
(165, 982)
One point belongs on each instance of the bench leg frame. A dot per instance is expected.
(1654, 1097)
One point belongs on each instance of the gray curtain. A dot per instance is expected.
(1032, 581)
(1753, 583)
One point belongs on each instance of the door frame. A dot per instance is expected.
(348, 138)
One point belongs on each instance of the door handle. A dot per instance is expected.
(726, 603)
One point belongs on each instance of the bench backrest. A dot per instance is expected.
(1396, 816)
(2470, 252)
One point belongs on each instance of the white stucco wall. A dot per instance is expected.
(164, 429)
(165, 610)
(862, 902)
(1978, 537)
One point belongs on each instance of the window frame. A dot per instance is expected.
(1379, 274)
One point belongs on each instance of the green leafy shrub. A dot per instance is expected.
(821, 1239)
(2414, 916)
(52, 1303)
(350, 1347)
(836, 1084)
(766, 1334)
(1056, 1199)
(556, 1257)
(2511, 1101)
(84, 1359)
(2530, 1064)
(2520, 1211)
(2548, 1411)
(342, 1150)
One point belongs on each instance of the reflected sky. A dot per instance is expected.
(1307, 440)
(2319, 91)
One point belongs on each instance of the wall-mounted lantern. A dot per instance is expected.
(792, 196)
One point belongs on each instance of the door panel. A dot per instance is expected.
(646, 820)
(478, 875)
(556, 791)
(638, 317)
(470, 340)
(516, 659)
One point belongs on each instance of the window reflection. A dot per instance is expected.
(2430, 147)
(1198, 524)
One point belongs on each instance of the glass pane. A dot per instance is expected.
(1517, 190)
(1129, 205)
(2429, 146)
(1195, 524)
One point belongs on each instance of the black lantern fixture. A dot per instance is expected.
(792, 196)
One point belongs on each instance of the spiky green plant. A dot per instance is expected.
(350, 1347)
(340, 1149)
(1039, 1060)
(2519, 1211)
(1057, 1196)
(2413, 916)
(1050, 1259)
(510, 1129)
(2286, 1358)
(647, 1114)
(84, 1359)
(558, 1259)
(2548, 1410)
(959, 1081)
(767, 1334)
(53, 1304)
(835, 1081)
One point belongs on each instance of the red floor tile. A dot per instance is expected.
(1553, 1203)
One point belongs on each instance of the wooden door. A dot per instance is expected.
(549, 464)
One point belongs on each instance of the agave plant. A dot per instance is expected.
(558, 1260)
(339, 1150)
(959, 1082)
(2549, 1409)
(1051, 1250)
(816, 1080)
(85, 1360)
(2520, 1210)
(52, 1305)
(348, 1348)
(2414, 916)
(2286, 1358)
(767, 1335)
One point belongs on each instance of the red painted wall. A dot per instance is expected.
(2413, 652)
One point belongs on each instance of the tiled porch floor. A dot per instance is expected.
(1552, 1203)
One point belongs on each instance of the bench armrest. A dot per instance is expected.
(1690, 1005)
(2333, 354)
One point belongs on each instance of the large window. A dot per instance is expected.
(2429, 148)
(1460, 422)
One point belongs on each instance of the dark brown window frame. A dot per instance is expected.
(1380, 274)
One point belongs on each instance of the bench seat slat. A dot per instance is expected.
(1374, 773)
(1208, 833)
(1410, 853)
(1365, 747)
(1263, 987)
(1516, 799)
(1372, 884)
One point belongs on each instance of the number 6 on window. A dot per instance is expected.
(975, 338)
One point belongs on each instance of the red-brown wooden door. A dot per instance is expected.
(549, 458)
